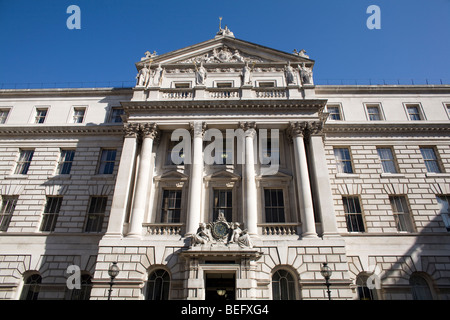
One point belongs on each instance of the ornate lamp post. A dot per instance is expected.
(326, 272)
(113, 271)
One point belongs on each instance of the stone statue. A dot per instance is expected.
(290, 74)
(157, 76)
(306, 74)
(203, 235)
(240, 237)
(245, 74)
(200, 75)
(143, 77)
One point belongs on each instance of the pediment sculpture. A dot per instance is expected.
(223, 55)
(221, 232)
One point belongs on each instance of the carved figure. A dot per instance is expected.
(203, 235)
(290, 74)
(306, 74)
(246, 73)
(157, 76)
(239, 236)
(142, 77)
(200, 75)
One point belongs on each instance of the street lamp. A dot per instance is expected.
(326, 272)
(113, 271)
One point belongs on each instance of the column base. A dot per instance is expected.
(310, 235)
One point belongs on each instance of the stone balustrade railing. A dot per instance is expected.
(167, 229)
(279, 229)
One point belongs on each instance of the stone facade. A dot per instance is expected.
(328, 200)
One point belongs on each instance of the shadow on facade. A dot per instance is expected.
(421, 273)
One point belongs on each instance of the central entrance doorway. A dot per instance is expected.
(220, 286)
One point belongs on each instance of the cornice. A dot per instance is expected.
(441, 127)
(63, 130)
(223, 104)
(65, 92)
(382, 89)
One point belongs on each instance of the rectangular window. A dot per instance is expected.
(414, 112)
(353, 214)
(274, 205)
(401, 213)
(107, 161)
(387, 160)
(23, 164)
(96, 214)
(444, 210)
(430, 158)
(174, 157)
(51, 213)
(223, 203)
(41, 114)
(6, 212)
(334, 113)
(3, 115)
(374, 112)
(171, 206)
(116, 114)
(266, 84)
(65, 161)
(78, 115)
(224, 84)
(182, 85)
(343, 160)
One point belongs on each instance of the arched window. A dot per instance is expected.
(283, 285)
(31, 287)
(158, 285)
(420, 287)
(84, 293)
(364, 293)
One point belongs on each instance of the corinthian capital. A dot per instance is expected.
(297, 129)
(197, 128)
(315, 127)
(149, 130)
(131, 129)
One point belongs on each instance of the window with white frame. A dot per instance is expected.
(401, 213)
(3, 115)
(283, 285)
(51, 212)
(430, 159)
(444, 209)
(96, 214)
(171, 206)
(387, 160)
(343, 160)
(23, 164)
(353, 214)
(334, 112)
(223, 204)
(107, 161)
(374, 112)
(7, 210)
(414, 112)
(65, 161)
(78, 114)
(41, 114)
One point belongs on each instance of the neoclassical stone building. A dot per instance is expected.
(225, 170)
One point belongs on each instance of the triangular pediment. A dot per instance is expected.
(172, 175)
(223, 175)
(224, 50)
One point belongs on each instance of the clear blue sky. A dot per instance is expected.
(37, 47)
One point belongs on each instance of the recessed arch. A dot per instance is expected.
(158, 284)
(285, 283)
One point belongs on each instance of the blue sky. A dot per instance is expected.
(37, 47)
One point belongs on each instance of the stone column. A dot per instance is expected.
(297, 132)
(250, 196)
(196, 178)
(143, 179)
(321, 178)
(123, 188)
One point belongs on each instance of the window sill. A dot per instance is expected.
(392, 175)
(60, 177)
(102, 176)
(16, 176)
(347, 175)
(437, 175)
